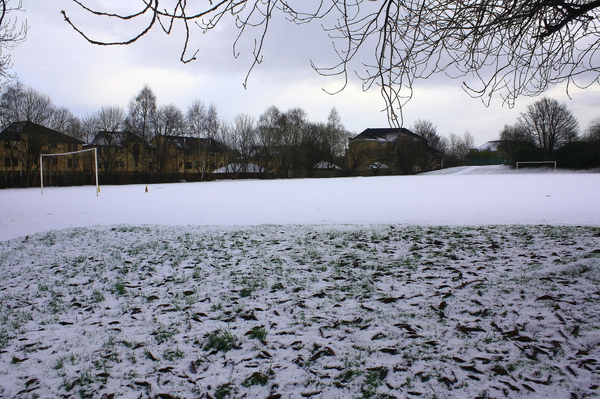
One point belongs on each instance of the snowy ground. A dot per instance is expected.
(473, 284)
(470, 196)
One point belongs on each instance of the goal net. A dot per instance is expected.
(70, 163)
(531, 163)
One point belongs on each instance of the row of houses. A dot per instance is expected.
(124, 157)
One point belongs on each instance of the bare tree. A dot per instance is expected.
(169, 121)
(74, 127)
(61, 119)
(426, 129)
(270, 126)
(212, 122)
(106, 127)
(202, 122)
(459, 146)
(334, 120)
(196, 119)
(517, 143)
(88, 128)
(593, 131)
(268, 139)
(288, 142)
(142, 113)
(244, 138)
(12, 33)
(315, 146)
(337, 135)
(550, 124)
(109, 119)
(515, 133)
(20, 103)
(512, 48)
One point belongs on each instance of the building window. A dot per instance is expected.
(188, 165)
(7, 162)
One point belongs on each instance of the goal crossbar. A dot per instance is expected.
(95, 150)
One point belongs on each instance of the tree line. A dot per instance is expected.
(279, 140)
(543, 129)
(286, 141)
(548, 130)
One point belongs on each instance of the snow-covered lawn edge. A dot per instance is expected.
(301, 311)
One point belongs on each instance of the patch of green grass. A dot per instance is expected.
(149, 355)
(164, 333)
(59, 363)
(97, 297)
(277, 287)
(258, 333)
(345, 377)
(82, 384)
(372, 380)
(4, 338)
(221, 340)
(258, 378)
(224, 391)
(172, 354)
(119, 288)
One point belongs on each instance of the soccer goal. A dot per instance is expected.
(95, 150)
(537, 163)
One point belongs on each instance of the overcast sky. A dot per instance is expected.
(82, 77)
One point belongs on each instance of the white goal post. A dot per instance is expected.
(70, 153)
(537, 162)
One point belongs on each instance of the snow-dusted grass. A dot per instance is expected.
(301, 311)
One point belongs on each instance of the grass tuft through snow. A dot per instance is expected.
(380, 311)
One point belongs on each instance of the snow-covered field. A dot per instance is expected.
(463, 285)
(469, 196)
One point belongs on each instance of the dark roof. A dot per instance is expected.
(116, 139)
(385, 134)
(16, 130)
(196, 144)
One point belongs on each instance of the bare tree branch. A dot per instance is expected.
(510, 48)
(12, 33)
